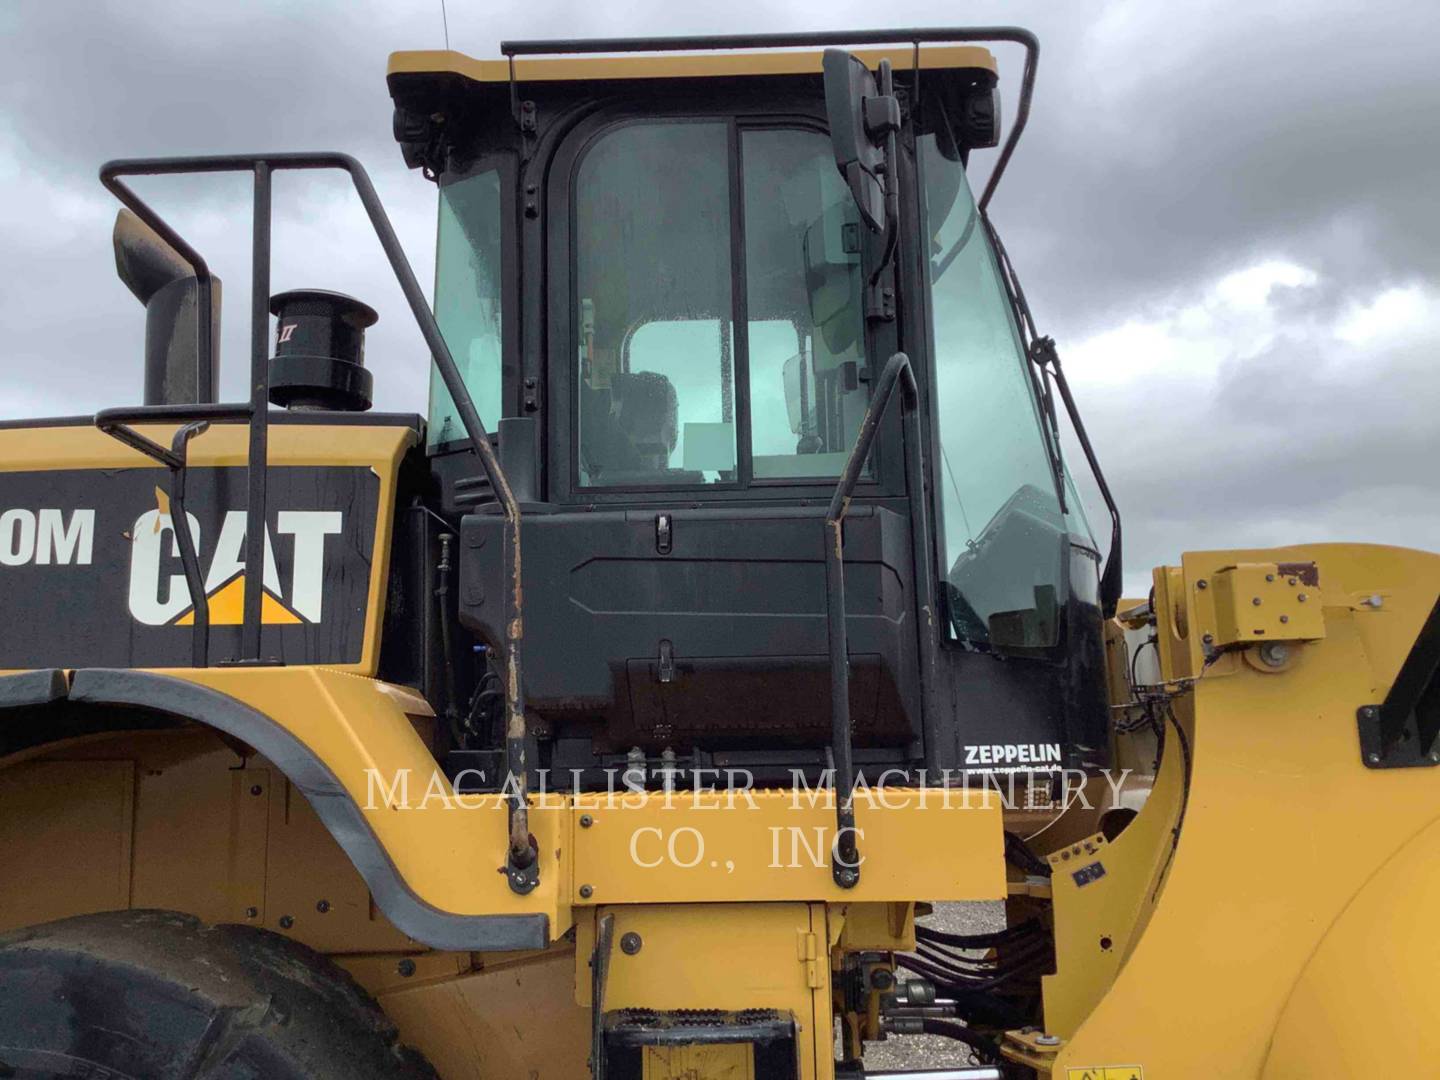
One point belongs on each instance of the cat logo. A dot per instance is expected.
(160, 598)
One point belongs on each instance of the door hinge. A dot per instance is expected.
(880, 302)
(809, 954)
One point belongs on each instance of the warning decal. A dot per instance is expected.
(1105, 1072)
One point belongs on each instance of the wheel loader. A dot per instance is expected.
(731, 615)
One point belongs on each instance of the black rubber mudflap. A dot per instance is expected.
(154, 995)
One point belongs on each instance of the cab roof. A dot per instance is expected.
(404, 66)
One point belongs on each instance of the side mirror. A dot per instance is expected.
(164, 282)
(864, 118)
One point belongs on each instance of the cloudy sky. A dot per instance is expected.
(1224, 212)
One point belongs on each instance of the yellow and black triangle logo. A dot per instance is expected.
(227, 607)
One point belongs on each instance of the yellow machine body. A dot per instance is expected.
(1289, 916)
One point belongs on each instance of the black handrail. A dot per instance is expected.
(189, 557)
(845, 860)
(915, 36)
(116, 423)
(521, 864)
(195, 419)
(1112, 584)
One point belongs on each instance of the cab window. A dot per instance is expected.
(691, 317)
(467, 301)
(802, 286)
(652, 271)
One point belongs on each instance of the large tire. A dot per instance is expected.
(153, 995)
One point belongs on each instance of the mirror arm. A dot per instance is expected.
(882, 117)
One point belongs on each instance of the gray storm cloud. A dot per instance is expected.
(1225, 215)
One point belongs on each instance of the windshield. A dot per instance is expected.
(1003, 538)
(717, 343)
(467, 301)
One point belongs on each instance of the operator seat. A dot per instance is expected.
(647, 412)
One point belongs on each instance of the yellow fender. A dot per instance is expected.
(343, 740)
(1365, 1003)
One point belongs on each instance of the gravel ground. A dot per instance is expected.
(932, 1051)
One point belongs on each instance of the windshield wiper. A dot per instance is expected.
(1042, 353)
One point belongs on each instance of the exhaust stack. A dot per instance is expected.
(165, 283)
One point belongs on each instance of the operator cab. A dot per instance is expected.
(667, 299)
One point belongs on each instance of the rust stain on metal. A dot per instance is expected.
(1307, 572)
(512, 683)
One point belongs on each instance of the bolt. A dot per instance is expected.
(1292, 581)
(1284, 618)
(1208, 639)
(1373, 759)
(586, 891)
(322, 906)
(1273, 654)
(256, 790)
(630, 943)
(1376, 602)
(286, 922)
(1256, 601)
(882, 979)
(1202, 584)
(1047, 1040)
(1269, 577)
(1302, 598)
(252, 913)
(406, 968)
(1368, 712)
(586, 821)
(1106, 944)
